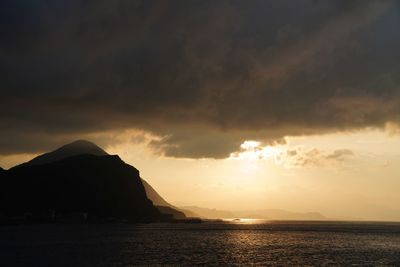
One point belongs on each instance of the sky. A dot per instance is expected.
(222, 104)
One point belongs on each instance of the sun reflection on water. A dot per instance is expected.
(245, 220)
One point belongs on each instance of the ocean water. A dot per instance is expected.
(211, 244)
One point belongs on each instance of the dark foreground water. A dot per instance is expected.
(274, 243)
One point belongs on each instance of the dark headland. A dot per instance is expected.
(80, 182)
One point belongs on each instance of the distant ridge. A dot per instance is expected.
(79, 147)
(163, 205)
(268, 214)
(210, 213)
(154, 196)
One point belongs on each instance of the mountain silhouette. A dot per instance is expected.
(101, 186)
(84, 149)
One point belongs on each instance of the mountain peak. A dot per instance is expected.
(78, 147)
(83, 146)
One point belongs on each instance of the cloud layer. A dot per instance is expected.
(202, 75)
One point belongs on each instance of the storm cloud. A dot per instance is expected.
(202, 76)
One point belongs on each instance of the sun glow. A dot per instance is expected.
(254, 150)
(245, 220)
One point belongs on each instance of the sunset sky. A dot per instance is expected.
(232, 105)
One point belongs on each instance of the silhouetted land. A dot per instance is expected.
(78, 182)
(100, 186)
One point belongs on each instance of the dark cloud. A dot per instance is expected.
(203, 75)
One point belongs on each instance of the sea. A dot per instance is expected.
(212, 243)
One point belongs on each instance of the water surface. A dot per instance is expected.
(265, 243)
